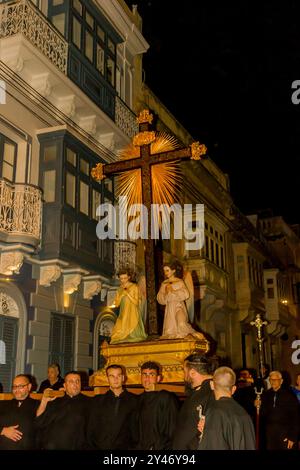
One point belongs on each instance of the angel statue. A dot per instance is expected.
(173, 293)
(129, 327)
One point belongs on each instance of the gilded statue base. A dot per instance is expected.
(170, 354)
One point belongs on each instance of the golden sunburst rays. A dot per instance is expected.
(165, 177)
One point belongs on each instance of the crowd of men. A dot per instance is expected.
(208, 419)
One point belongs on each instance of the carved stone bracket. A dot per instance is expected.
(66, 104)
(88, 123)
(49, 274)
(42, 84)
(71, 282)
(91, 286)
(108, 140)
(11, 262)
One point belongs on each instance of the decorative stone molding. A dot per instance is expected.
(71, 282)
(49, 274)
(8, 306)
(11, 262)
(88, 123)
(66, 104)
(91, 287)
(42, 84)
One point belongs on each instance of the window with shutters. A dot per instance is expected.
(8, 337)
(61, 346)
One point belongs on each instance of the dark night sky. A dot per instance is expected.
(225, 70)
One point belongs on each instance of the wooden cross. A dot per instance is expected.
(143, 139)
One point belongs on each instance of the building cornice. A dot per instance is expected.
(124, 26)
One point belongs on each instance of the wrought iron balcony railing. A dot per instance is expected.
(20, 209)
(22, 17)
(125, 118)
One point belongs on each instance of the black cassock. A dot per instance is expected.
(186, 435)
(63, 424)
(111, 422)
(279, 418)
(156, 420)
(12, 414)
(227, 427)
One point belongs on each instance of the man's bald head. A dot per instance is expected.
(224, 379)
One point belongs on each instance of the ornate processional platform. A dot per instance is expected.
(170, 354)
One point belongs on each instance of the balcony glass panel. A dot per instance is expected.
(9, 153)
(84, 198)
(71, 157)
(100, 59)
(84, 167)
(89, 46)
(95, 203)
(50, 152)
(49, 185)
(76, 35)
(89, 19)
(59, 22)
(7, 171)
(110, 71)
(78, 7)
(71, 190)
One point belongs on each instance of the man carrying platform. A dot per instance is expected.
(111, 423)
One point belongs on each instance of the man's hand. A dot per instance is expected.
(12, 433)
(44, 401)
(289, 443)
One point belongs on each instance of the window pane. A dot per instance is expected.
(100, 33)
(96, 203)
(76, 38)
(84, 167)
(100, 59)
(50, 152)
(110, 67)
(71, 157)
(59, 22)
(70, 189)
(77, 5)
(7, 171)
(49, 185)
(89, 19)
(89, 46)
(9, 153)
(84, 198)
(111, 46)
(57, 2)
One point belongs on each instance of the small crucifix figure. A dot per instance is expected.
(258, 323)
(146, 160)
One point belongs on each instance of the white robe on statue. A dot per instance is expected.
(176, 323)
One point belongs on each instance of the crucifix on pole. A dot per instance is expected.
(146, 160)
(258, 323)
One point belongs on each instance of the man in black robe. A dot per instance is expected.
(157, 411)
(279, 415)
(227, 425)
(111, 422)
(17, 430)
(197, 376)
(63, 421)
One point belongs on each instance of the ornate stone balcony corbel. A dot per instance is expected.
(91, 286)
(49, 274)
(88, 123)
(108, 140)
(66, 104)
(11, 262)
(72, 278)
(41, 84)
(71, 282)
